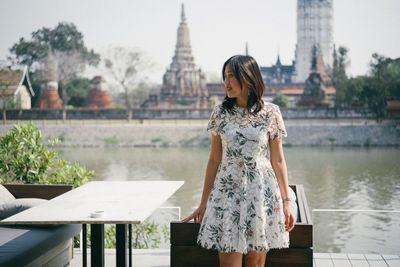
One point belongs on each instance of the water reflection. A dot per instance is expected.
(333, 178)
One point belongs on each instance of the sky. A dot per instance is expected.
(218, 28)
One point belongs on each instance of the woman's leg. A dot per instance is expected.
(255, 259)
(230, 259)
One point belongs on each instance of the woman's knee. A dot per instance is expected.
(255, 259)
(231, 259)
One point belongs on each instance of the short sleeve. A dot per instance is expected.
(213, 122)
(276, 127)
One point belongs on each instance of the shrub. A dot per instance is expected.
(25, 159)
(281, 100)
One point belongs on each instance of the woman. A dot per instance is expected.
(245, 205)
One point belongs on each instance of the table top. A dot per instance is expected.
(101, 202)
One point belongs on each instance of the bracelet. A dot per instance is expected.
(286, 199)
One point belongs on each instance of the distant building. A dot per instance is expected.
(99, 95)
(49, 97)
(314, 28)
(184, 84)
(278, 73)
(15, 89)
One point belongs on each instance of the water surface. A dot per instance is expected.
(333, 178)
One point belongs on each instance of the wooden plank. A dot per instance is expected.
(300, 204)
(301, 236)
(197, 256)
(291, 257)
(37, 190)
(183, 256)
(185, 234)
(340, 260)
(358, 260)
(305, 204)
(375, 260)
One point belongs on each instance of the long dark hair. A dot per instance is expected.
(246, 70)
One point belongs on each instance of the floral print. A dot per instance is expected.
(244, 210)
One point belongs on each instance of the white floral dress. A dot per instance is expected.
(244, 210)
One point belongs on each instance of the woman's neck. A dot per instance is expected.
(241, 102)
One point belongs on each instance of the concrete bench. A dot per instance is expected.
(186, 252)
(37, 245)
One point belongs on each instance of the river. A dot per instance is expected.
(333, 178)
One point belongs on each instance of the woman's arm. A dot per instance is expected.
(278, 163)
(211, 171)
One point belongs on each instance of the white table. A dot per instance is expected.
(127, 202)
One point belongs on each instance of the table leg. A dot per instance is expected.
(84, 245)
(97, 244)
(121, 245)
(130, 244)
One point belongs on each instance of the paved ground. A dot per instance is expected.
(140, 258)
(160, 258)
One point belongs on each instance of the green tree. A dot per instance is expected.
(25, 159)
(65, 37)
(281, 100)
(339, 76)
(354, 89)
(383, 83)
(62, 46)
(78, 90)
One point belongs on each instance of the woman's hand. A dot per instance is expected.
(197, 215)
(289, 217)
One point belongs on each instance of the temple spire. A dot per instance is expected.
(183, 17)
(247, 49)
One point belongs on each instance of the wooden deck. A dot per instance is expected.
(161, 258)
(355, 260)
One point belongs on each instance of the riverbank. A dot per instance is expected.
(192, 133)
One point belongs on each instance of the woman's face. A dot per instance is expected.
(232, 85)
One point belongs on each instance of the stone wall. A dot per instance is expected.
(120, 114)
(180, 133)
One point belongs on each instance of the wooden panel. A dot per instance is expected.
(301, 236)
(199, 257)
(185, 234)
(186, 252)
(194, 256)
(291, 257)
(37, 190)
(308, 218)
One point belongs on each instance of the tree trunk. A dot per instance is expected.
(128, 105)
(64, 114)
(4, 116)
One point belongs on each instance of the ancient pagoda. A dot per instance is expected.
(49, 97)
(184, 85)
(99, 96)
(314, 29)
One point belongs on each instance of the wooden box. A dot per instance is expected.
(186, 252)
